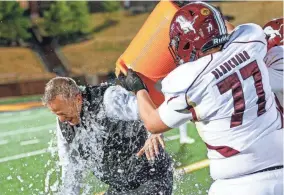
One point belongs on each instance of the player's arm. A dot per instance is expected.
(157, 120)
(150, 114)
(171, 114)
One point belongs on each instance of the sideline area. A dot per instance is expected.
(26, 137)
(20, 106)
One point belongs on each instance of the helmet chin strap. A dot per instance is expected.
(193, 55)
(181, 61)
(173, 54)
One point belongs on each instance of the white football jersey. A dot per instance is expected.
(274, 62)
(228, 96)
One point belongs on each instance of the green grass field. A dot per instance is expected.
(26, 163)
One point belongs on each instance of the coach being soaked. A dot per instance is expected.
(99, 130)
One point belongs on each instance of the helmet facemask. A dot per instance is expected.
(173, 48)
(182, 50)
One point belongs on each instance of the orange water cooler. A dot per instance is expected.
(148, 52)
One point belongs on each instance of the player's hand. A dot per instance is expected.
(132, 82)
(151, 147)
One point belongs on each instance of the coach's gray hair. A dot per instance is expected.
(64, 86)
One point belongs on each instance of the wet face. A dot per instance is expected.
(67, 110)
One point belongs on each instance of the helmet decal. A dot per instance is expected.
(218, 17)
(272, 33)
(186, 25)
(205, 11)
(209, 27)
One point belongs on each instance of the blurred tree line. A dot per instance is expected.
(65, 20)
(13, 24)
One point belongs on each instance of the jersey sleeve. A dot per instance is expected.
(120, 104)
(174, 111)
(274, 62)
(177, 109)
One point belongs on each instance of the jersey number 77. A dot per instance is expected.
(233, 83)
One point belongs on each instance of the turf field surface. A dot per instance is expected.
(28, 158)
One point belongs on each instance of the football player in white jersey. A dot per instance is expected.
(184, 138)
(222, 84)
(274, 57)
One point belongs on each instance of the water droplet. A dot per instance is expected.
(20, 179)
(9, 177)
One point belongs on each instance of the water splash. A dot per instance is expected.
(20, 179)
(52, 178)
(92, 138)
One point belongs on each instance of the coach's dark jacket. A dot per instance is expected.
(109, 145)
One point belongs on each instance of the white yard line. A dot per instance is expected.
(20, 118)
(173, 137)
(6, 114)
(29, 142)
(27, 130)
(16, 113)
(28, 154)
(27, 112)
(3, 142)
(46, 150)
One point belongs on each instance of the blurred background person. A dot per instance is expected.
(184, 138)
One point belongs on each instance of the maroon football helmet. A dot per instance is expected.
(274, 32)
(196, 28)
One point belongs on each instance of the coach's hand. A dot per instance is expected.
(151, 146)
(132, 82)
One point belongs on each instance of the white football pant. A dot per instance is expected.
(263, 183)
